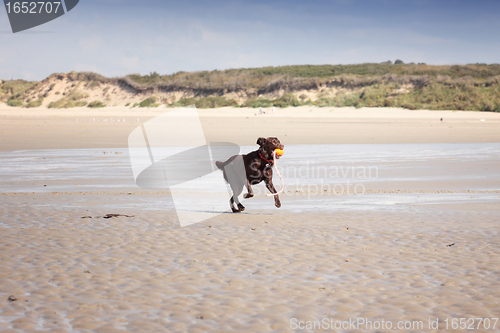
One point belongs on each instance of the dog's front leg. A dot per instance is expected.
(270, 187)
(249, 190)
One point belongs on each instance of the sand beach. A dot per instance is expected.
(414, 245)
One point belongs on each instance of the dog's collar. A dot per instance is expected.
(265, 159)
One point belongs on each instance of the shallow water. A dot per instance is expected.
(361, 176)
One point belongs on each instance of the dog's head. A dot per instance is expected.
(267, 146)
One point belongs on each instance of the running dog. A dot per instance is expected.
(251, 169)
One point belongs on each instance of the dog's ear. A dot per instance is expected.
(261, 141)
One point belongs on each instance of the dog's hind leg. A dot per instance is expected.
(234, 174)
(231, 204)
(240, 206)
(237, 188)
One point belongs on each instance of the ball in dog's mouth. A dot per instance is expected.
(279, 153)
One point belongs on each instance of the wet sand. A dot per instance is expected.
(247, 272)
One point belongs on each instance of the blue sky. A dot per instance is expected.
(119, 37)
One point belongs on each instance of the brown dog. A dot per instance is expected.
(251, 169)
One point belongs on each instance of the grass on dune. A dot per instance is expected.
(15, 102)
(96, 104)
(149, 102)
(220, 101)
(451, 87)
(447, 95)
(72, 100)
(451, 95)
(35, 103)
(411, 86)
(205, 102)
(304, 75)
(15, 87)
(15, 91)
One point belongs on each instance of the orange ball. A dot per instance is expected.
(279, 152)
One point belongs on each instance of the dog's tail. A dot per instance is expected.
(220, 165)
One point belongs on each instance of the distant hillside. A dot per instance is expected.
(412, 86)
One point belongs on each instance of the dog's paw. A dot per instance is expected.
(241, 208)
(277, 204)
(247, 196)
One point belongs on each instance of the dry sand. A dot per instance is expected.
(248, 272)
(43, 128)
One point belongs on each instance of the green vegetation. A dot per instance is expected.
(205, 102)
(71, 100)
(35, 104)
(220, 101)
(266, 77)
(412, 86)
(259, 103)
(14, 92)
(15, 102)
(88, 77)
(398, 84)
(149, 103)
(16, 86)
(288, 100)
(282, 102)
(96, 104)
(440, 94)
